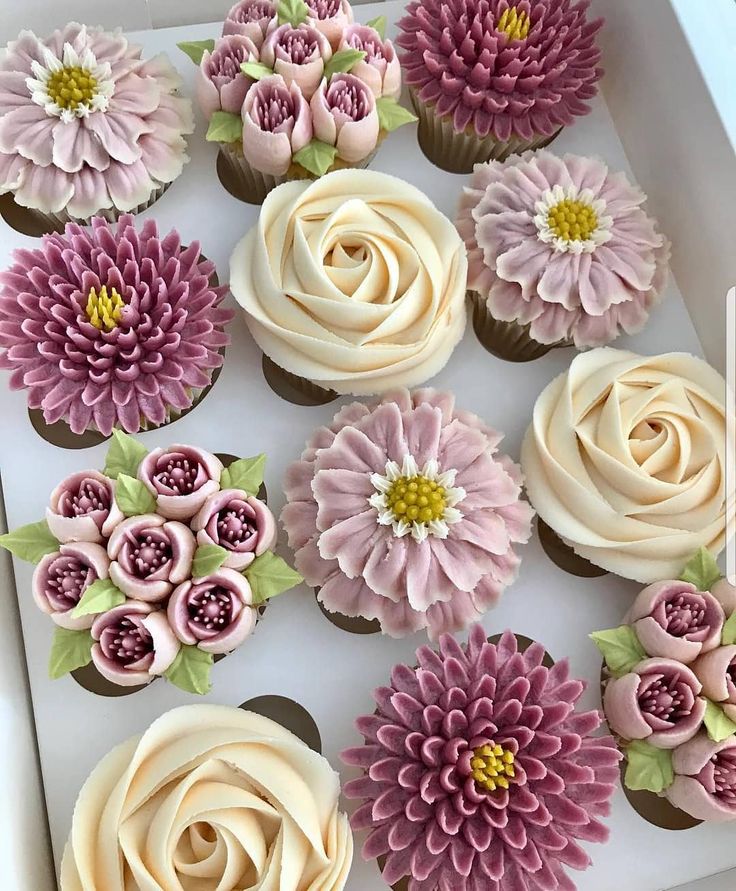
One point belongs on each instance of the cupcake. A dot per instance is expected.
(625, 460)
(560, 252)
(111, 326)
(209, 796)
(155, 566)
(87, 127)
(670, 691)
(488, 78)
(312, 93)
(355, 282)
(405, 512)
(479, 772)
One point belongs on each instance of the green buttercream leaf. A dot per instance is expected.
(718, 725)
(269, 575)
(378, 24)
(132, 497)
(124, 455)
(31, 542)
(190, 670)
(256, 70)
(293, 12)
(343, 61)
(391, 115)
(316, 157)
(69, 650)
(728, 635)
(225, 127)
(245, 474)
(620, 648)
(208, 558)
(99, 597)
(195, 49)
(702, 571)
(648, 767)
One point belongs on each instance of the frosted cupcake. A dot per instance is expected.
(489, 78)
(625, 459)
(404, 511)
(480, 771)
(560, 252)
(111, 326)
(210, 797)
(87, 127)
(354, 283)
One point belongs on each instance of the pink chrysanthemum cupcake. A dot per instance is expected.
(87, 126)
(403, 511)
(489, 78)
(111, 326)
(479, 773)
(560, 252)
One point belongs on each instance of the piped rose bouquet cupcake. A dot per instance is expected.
(154, 566)
(670, 690)
(298, 94)
(87, 126)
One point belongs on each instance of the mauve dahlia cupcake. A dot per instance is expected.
(403, 511)
(87, 126)
(111, 326)
(488, 78)
(479, 772)
(560, 252)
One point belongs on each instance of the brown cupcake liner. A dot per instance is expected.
(562, 554)
(294, 388)
(507, 340)
(459, 152)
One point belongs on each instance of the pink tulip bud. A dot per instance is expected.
(82, 508)
(276, 124)
(705, 779)
(181, 478)
(220, 85)
(251, 18)
(298, 55)
(344, 115)
(60, 580)
(331, 17)
(716, 671)
(241, 524)
(380, 68)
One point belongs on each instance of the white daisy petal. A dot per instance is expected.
(409, 467)
(438, 528)
(431, 469)
(419, 532)
(380, 482)
(452, 515)
(393, 471)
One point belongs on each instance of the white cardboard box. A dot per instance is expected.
(295, 650)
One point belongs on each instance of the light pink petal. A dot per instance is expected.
(183, 507)
(689, 795)
(112, 672)
(711, 670)
(138, 589)
(267, 152)
(27, 131)
(74, 146)
(235, 635)
(325, 128)
(72, 528)
(658, 642)
(622, 708)
(340, 494)
(357, 139)
(183, 546)
(118, 133)
(351, 541)
(385, 569)
(165, 644)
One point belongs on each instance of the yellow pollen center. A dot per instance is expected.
(572, 220)
(70, 87)
(416, 499)
(514, 24)
(492, 767)
(104, 310)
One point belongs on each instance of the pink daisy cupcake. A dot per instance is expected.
(403, 511)
(560, 252)
(479, 772)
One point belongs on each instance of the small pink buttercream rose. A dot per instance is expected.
(276, 124)
(214, 613)
(331, 17)
(181, 478)
(82, 508)
(60, 580)
(133, 644)
(380, 68)
(252, 19)
(150, 556)
(240, 523)
(344, 115)
(674, 620)
(298, 55)
(705, 779)
(220, 85)
(658, 700)
(716, 671)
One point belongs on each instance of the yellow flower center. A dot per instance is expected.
(416, 499)
(514, 24)
(104, 310)
(70, 87)
(492, 767)
(572, 220)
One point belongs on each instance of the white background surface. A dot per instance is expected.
(295, 651)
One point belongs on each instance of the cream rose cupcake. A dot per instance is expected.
(355, 283)
(209, 797)
(625, 460)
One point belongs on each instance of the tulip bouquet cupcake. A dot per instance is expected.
(154, 566)
(670, 690)
(295, 90)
